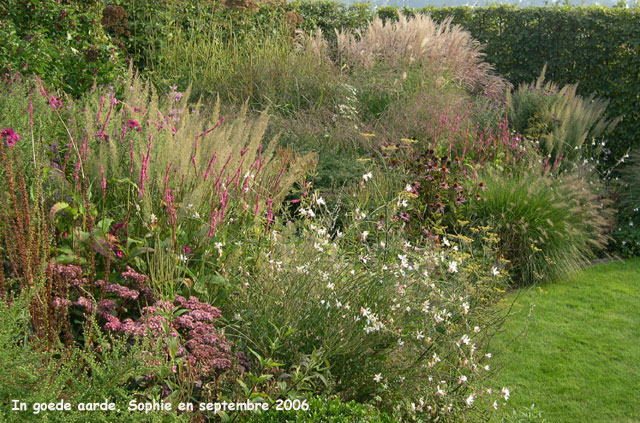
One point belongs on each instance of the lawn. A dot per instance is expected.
(572, 348)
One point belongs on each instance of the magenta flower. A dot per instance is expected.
(10, 135)
(133, 124)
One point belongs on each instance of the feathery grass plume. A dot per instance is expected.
(184, 157)
(548, 227)
(566, 124)
(420, 40)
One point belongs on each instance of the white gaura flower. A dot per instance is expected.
(330, 286)
(320, 201)
(378, 378)
(446, 242)
(465, 307)
(453, 266)
(505, 394)
(469, 399)
(495, 271)
(495, 405)
(364, 235)
(408, 188)
(153, 219)
(440, 392)
(367, 176)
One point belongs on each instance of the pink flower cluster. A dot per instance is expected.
(204, 350)
(10, 135)
(70, 275)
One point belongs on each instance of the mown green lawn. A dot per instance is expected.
(573, 347)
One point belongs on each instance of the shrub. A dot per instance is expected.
(388, 316)
(330, 16)
(548, 227)
(626, 235)
(326, 410)
(567, 126)
(61, 41)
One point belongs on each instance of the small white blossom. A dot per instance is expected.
(453, 266)
(469, 399)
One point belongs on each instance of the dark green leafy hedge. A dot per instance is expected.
(62, 41)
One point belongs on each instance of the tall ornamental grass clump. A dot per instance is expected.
(548, 226)
(178, 166)
(567, 126)
(420, 40)
(183, 156)
(263, 66)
